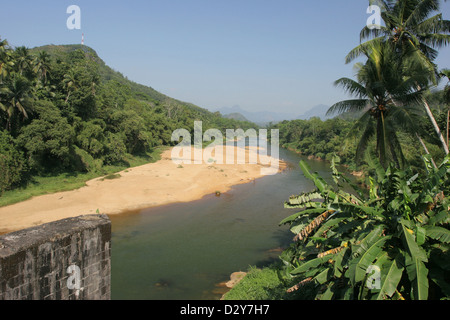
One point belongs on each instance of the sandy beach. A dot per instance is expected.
(137, 188)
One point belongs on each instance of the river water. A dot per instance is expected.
(181, 251)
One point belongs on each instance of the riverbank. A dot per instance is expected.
(356, 173)
(146, 186)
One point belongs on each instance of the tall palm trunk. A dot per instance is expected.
(436, 127)
(381, 139)
(426, 149)
(422, 143)
(448, 120)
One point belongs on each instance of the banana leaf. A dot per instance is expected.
(418, 275)
(415, 266)
(438, 233)
(302, 213)
(390, 278)
(368, 257)
(314, 263)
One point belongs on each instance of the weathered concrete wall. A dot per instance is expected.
(64, 260)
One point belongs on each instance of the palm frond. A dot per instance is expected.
(421, 11)
(352, 87)
(361, 49)
(354, 105)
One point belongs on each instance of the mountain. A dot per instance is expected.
(265, 117)
(317, 111)
(258, 117)
(235, 116)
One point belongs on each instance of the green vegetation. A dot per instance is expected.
(259, 284)
(342, 135)
(400, 226)
(391, 240)
(319, 139)
(66, 117)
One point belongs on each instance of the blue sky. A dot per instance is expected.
(274, 55)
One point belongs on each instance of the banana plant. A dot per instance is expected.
(391, 241)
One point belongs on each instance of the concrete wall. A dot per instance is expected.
(64, 260)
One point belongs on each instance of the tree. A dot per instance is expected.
(5, 59)
(136, 136)
(42, 67)
(415, 36)
(446, 73)
(12, 163)
(16, 95)
(23, 62)
(410, 28)
(380, 83)
(70, 83)
(48, 139)
(80, 82)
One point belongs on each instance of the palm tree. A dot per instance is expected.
(23, 61)
(409, 26)
(16, 95)
(42, 66)
(70, 82)
(415, 34)
(446, 73)
(380, 85)
(5, 59)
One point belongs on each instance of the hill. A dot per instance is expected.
(263, 118)
(319, 111)
(77, 115)
(107, 74)
(259, 117)
(236, 116)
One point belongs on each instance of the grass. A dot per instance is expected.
(265, 284)
(258, 284)
(111, 176)
(68, 181)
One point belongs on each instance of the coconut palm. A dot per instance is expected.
(23, 61)
(42, 66)
(5, 59)
(415, 34)
(70, 83)
(446, 73)
(409, 26)
(15, 96)
(379, 87)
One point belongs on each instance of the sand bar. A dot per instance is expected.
(150, 185)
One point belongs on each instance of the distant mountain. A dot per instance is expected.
(317, 111)
(258, 117)
(265, 117)
(235, 116)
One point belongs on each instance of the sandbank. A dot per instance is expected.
(146, 186)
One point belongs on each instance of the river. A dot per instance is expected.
(181, 251)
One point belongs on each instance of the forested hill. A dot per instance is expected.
(107, 74)
(62, 109)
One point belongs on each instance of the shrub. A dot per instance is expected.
(12, 163)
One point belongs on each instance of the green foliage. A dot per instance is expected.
(12, 163)
(48, 139)
(66, 111)
(264, 284)
(399, 226)
(319, 139)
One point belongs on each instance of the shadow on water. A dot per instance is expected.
(181, 251)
